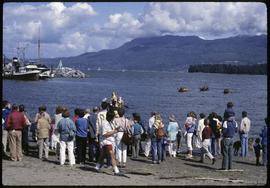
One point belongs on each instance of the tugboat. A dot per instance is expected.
(183, 89)
(15, 71)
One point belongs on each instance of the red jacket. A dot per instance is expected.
(15, 121)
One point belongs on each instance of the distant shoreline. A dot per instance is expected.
(256, 69)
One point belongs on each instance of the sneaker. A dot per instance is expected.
(213, 161)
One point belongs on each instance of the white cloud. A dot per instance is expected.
(69, 29)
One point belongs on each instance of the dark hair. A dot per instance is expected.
(121, 112)
(153, 113)
(4, 103)
(42, 108)
(76, 111)
(65, 113)
(206, 121)
(58, 110)
(136, 117)
(110, 115)
(214, 114)
(202, 115)
(81, 113)
(257, 140)
(229, 105)
(244, 114)
(21, 108)
(104, 105)
(14, 107)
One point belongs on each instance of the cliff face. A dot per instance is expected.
(173, 53)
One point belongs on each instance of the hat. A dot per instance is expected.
(172, 117)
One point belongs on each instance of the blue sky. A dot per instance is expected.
(69, 29)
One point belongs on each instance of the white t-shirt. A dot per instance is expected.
(108, 127)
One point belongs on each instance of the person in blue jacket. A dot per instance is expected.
(264, 141)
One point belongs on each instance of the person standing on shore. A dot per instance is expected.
(43, 129)
(108, 131)
(229, 128)
(172, 132)
(199, 133)
(6, 110)
(67, 131)
(101, 120)
(257, 149)
(55, 142)
(81, 137)
(93, 144)
(264, 135)
(121, 147)
(136, 131)
(46, 115)
(147, 148)
(243, 131)
(25, 130)
(157, 134)
(190, 125)
(206, 135)
(15, 124)
(229, 111)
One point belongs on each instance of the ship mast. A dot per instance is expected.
(39, 44)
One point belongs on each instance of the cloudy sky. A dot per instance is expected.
(69, 29)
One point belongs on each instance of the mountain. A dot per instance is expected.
(172, 53)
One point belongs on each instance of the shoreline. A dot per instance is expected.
(173, 171)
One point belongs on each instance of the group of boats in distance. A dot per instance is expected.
(16, 70)
(203, 88)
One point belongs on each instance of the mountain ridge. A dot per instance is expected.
(171, 52)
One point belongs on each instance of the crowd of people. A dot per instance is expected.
(110, 136)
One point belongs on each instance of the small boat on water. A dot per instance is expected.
(183, 89)
(226, 91)
(204, 88)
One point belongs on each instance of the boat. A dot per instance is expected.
(226, 91)
(183, 89)
(44, 71)
(14, 71)
(204, 88)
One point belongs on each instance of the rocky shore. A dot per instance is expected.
(174, 171)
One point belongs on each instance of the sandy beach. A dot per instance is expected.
(173, 171)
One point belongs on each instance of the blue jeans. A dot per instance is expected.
(264, 155)
(244, 145)
(227, 152)
(156, 149)
(213, 146)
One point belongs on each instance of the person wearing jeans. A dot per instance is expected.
(136, 131)
(65, 127)
(229, 128)
(244, 130)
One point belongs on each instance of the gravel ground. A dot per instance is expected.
(173, 171)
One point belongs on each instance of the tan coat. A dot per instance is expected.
(43, 128)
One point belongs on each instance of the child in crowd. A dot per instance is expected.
(257, 149)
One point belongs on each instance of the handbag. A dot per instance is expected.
(127, 137)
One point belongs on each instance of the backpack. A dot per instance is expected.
(160, 132)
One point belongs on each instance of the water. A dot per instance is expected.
(147, 91)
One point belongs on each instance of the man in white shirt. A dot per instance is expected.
(148, 142)
(243, 131)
